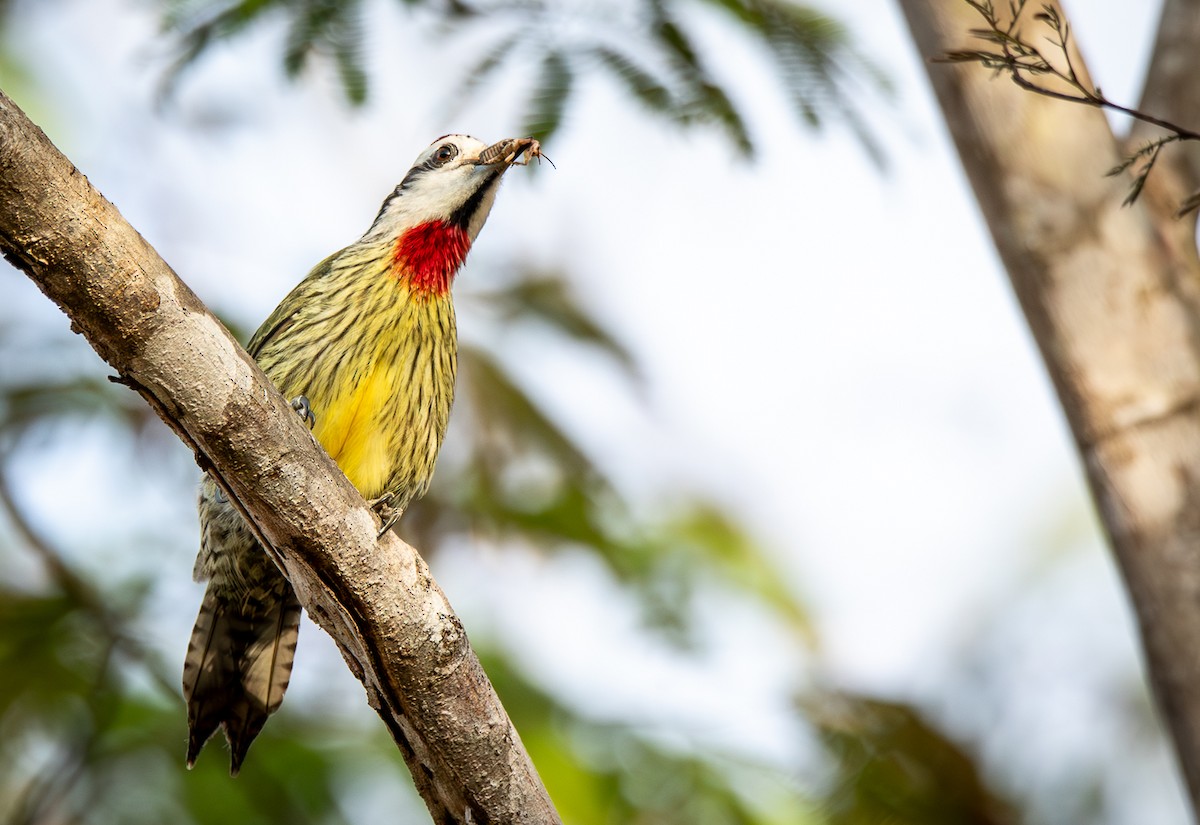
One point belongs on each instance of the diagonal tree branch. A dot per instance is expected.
(376, 598)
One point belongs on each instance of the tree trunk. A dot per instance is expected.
(1112, 296)
(376, 598)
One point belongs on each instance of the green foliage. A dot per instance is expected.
(646, 47)
(100, 713)
(894, 766)
(611, 774)
(546, 298)
(549, 98)
(327, 27)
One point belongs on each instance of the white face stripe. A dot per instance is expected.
(435, 191)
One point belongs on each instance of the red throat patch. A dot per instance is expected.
(429, 255)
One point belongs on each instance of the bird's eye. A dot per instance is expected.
(444, 154)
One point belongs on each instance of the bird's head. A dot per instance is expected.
(431, 219)
(454, 182)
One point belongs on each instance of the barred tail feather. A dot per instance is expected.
(238, 665)
(266, 670)
(210, 666)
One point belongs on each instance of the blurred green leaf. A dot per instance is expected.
(200, 24)
(548, 298)
(637, 81)
(717, 545)
(894, 766)
(649, 52)
(333, 27)
(487, 66)
(703, 99)
(40, 635)
(549, 98)
(27, 403)
(507, 420)
(610, 774)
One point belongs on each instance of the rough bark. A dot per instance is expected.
(1112, 296)
(376, 598)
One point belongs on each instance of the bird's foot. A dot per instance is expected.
(302, 407)
(386, 512)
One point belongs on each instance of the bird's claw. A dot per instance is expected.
(386, 512)
(302, 407)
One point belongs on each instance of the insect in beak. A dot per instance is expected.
(508, 151)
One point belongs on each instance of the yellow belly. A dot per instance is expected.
(353, 429)
(385, 429)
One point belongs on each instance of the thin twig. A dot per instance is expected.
(1024, 61)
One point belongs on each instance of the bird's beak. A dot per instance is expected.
(508, 152)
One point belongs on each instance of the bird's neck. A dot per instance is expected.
(428, 255)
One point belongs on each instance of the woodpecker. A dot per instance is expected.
(367, 347)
